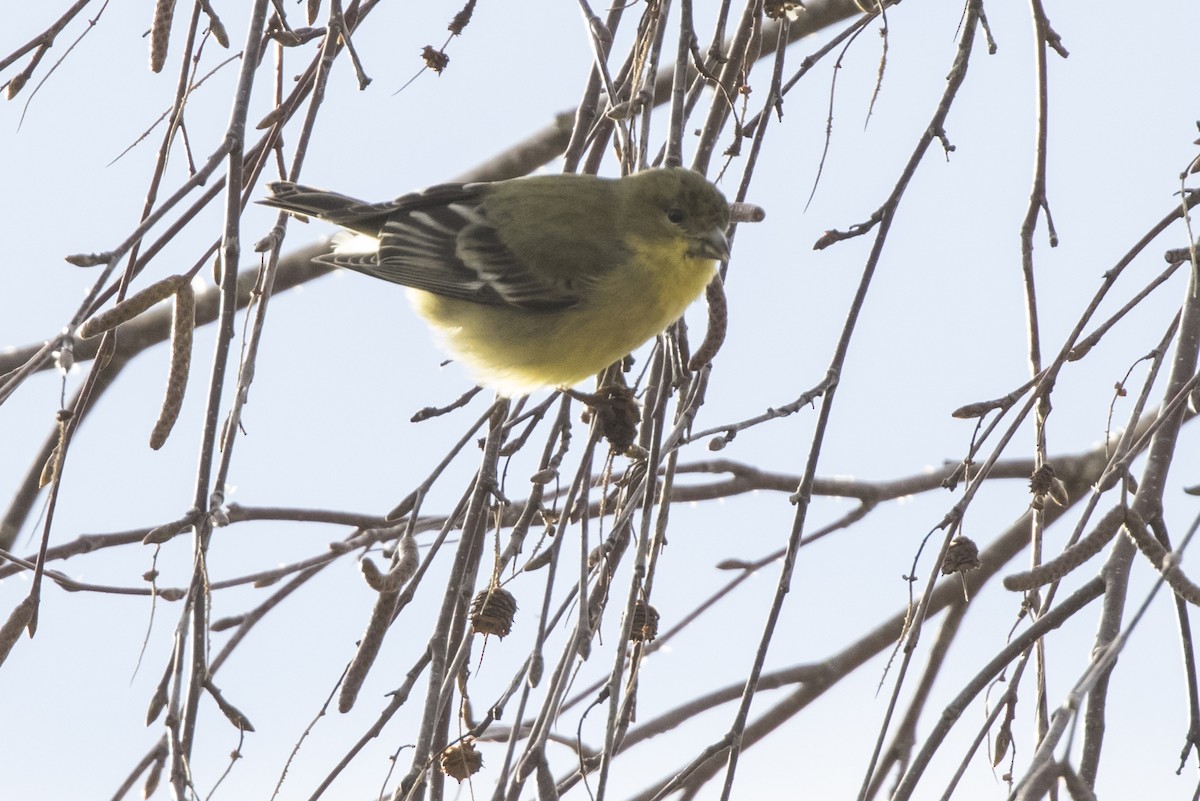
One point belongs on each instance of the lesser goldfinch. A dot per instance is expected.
(537, 282)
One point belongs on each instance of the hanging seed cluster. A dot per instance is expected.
(777, 9)
(645, 623)
(1044, 485)
(461, 761)
(492, 612)
(961, 556)
(618, 416)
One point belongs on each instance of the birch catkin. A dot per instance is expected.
(182, 326)
(132, 306)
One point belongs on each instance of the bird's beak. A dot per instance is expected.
(712, 244)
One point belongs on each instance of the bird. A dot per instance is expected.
(535, 282)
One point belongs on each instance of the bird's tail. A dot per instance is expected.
(348, 212)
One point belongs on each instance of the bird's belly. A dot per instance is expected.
(517, 351)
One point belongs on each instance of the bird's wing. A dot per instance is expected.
(441, 241)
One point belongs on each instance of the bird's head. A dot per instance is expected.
(675, 202)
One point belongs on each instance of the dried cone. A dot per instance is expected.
(645, 623)
(1045, 485)
(461, 761)
(618, 415)
(492, 612)
(961, 556)
(435, 60)
(777, 9)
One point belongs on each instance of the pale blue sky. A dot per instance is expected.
(344, 365)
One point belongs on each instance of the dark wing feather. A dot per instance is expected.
(348, 212)
(441, 241)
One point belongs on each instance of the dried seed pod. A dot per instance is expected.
(435, 60)
(492, 612)
(461, 761)
(778, 9)
(1044, 484)
(617, 414)
(645, 623)
(462, 18)
(961, 556)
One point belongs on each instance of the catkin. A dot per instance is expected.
(718, 320)
(182, 326)
(160, 33)
(132, 306)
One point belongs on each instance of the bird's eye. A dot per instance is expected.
(676, 215)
